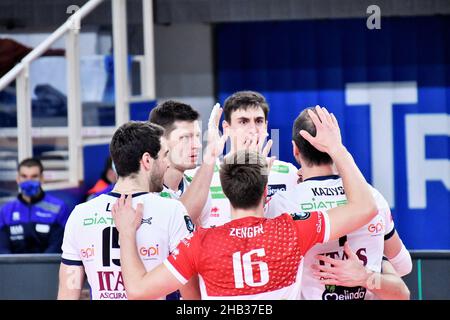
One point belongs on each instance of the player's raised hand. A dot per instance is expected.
(216, 143)
(255, 142)
(127, 219)
(328, 134)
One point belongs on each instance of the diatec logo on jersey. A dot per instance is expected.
(98, 220)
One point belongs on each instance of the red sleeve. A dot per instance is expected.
(313, 227)
(182, 261)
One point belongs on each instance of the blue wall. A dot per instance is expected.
(304, 63)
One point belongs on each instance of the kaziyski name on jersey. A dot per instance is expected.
(251, 257)
(92, 241)
(324, 193)
(283, 176)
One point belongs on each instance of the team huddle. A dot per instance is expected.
(245, 226)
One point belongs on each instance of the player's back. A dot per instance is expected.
(324, 193)
(92, 240)
(251, 257)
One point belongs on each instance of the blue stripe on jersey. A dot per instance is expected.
(389, 235)
(134, 195)
(320, 178)
(72, 262)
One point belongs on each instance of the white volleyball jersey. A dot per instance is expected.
(91, 239)
(323, 193)
(283, 176)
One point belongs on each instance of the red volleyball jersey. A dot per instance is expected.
(251, 257)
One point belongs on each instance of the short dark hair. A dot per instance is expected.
(309, 153)
(244, 100)
(166, 113)
(243, 179)
(31, 162)
(130, 142)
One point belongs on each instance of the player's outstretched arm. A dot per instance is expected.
(139, 284)
(196, 195)
(398, 255)
(360, 207)
(386, 285)
(71, 280)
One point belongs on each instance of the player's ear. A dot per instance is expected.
(295, 150)
(226, 127)
(266, 192)
(147, 161)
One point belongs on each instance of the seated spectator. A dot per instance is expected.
(34, 222)
(106, 182)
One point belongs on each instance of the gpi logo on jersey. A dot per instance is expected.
(87, 253)
(376, 228)
(149, 253)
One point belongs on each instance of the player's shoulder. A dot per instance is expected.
(94, 203)
(380, 201)
(166, 204)
(157, 198)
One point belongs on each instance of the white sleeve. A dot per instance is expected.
(385, 210)
(204, 215)
(179, 225)
(292, 180)
(70, 251)
(402, 262)
(277, 205)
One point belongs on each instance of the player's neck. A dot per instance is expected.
(172, 178)
(242, 213)
(131, 185)
(318, 171)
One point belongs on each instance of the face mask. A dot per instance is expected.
(30, 188)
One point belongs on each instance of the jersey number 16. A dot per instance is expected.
(245, 262)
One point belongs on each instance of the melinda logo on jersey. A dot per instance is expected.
(150, 252)
(343, 293)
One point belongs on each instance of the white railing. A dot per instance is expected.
(71, 29)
